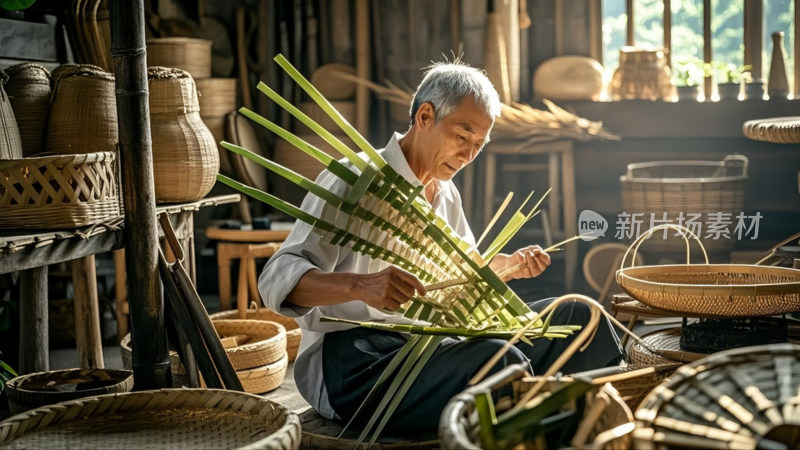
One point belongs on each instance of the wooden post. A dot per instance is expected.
(34, 355)
(87, 314)
(754, 37)
(151, 367)
(362, 66)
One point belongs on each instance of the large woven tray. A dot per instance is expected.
(168, 418)
(731, 399)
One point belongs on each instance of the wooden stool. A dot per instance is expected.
(232, 244)
(247, 274)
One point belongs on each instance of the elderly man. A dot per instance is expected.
(452, 114)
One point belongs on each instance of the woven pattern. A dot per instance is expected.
(169, 418)
(83, 111)
(10, 142)
(217, 96)
(634, 390)
(265, 378)
(685, 187)
(58, 191)
(265, 342)
(293, 332)
(185, 156)
(714, 290)
(191, 55)
(45, 388)
(666, 348)
(29, 90)
(731, 399)
(780, 130)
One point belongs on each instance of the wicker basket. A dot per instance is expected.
(45, 388)
(64, 191)
(10, 142)
(185, 156)
(459, 427)
(29, 90)
(83, 111)
(266, 378)
(731, 399)
(191, 55)
(685, 187)
(262, 342)
(663, 348)
(293, 332)
(217, 96)
(168, 418)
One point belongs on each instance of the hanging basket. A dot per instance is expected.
(29, 90)
(66, 191)
(740, 398)
(167, 418)
(711, 290)
(45, 388)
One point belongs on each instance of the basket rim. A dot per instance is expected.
(17, 383)
(625, 179)
(83, 157)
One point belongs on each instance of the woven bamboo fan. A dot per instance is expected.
(258, 342)
(744, 398)
(45, 388)
(189, 54)
(168, 419)
(711, 290)
(83, 111)
(293, 332)
(185, 156)
(10, 142)
(62, 191)
(29, 90)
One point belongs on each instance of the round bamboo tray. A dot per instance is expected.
(266, 378)
(62, 191)
(264, 342)
(779, 130)
(293, 332)
(189, 54)
(331, 86)
(743, 398)
(168, 419)
(605, 411)
(45, 388)
(29, 91)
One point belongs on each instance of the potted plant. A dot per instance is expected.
(731, 80)
(688, 75)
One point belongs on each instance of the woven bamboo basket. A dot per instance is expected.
(711, 290)
(663, 347)
(62, 191)
(10, 141)
(45, 388)
(83, 111)
(681, 188)
(293, 332)
(269, 377)
(217, 96)
(168, 419)
(29, 90)
(189, 54)
(743, 398)
(603, 423)
(185, 156)
(262, 342)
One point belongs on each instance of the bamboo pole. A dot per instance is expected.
(34, 354)
(151, 367)
(707, 52)
(87, 313)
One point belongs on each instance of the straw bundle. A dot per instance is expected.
(83, 111)
(29, 90)
(10, 142)
(293, 331)
(191, 55)
(167, 418)
(185, 157)
(258, 342)
(62, 191)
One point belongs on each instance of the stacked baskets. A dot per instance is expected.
(257, 350)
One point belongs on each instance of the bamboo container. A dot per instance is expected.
(29, 90)
(191, 55)
(217, 97)
(185, 156)
(10, 142)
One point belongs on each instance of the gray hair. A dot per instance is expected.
(446, 83)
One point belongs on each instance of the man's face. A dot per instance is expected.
(455, 141)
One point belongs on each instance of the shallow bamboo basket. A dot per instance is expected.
(459, 428)
(46, 388)
(10, 141)
(189, 54)
(167, 418)
(62, 191)
(293, 332)
(83, 111)
(263, 342)
(29, 91)
(731, 399)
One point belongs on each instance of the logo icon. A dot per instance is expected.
(591, 225)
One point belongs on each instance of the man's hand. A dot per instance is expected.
(529, 262)
(389, 288)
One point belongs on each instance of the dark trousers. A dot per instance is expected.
(354, 359)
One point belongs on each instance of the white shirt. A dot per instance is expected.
(304, 250)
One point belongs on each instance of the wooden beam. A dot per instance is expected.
(754, 36)
(668, 31)
(707, 53)
(88, 340)
(60, 249)
(151, 367)
(630, 38)
(34, 354)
